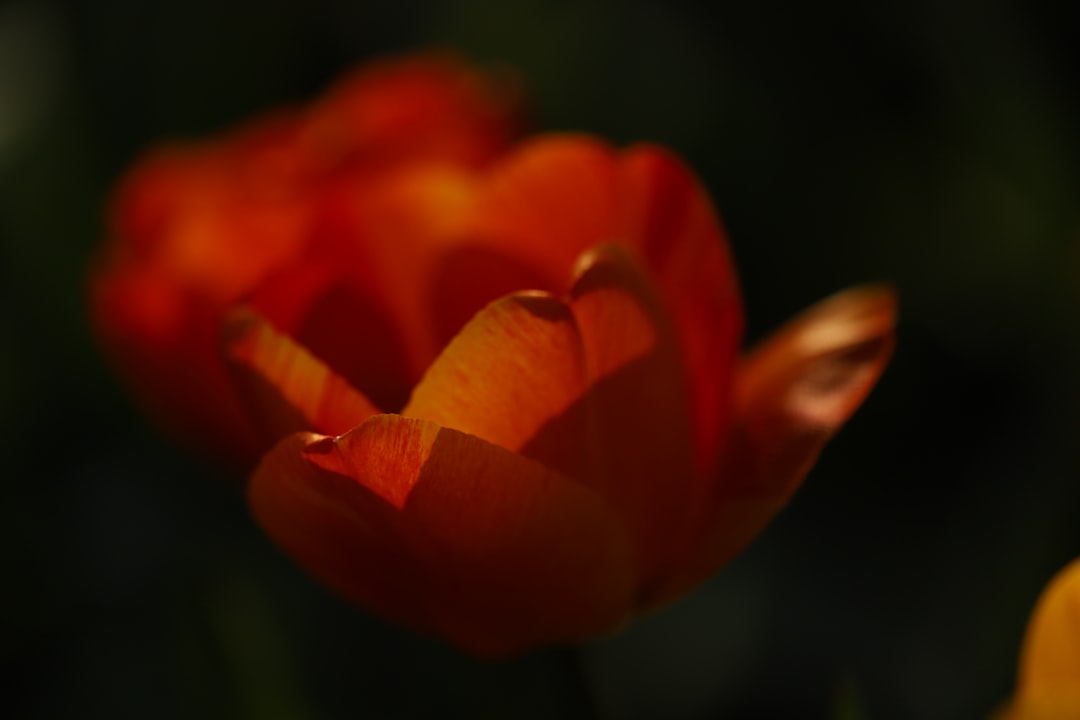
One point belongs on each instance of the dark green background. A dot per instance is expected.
(935, 145)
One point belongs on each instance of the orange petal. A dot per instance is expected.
(215, 216)
(448, 534)
(1048, 685)
(517, 365)
(792, 394)
(669, 219)
(637, 405)
(422, 107)
(287, 388)
(549, 201)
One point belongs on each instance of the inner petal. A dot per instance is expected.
(516, 366)
(286, 388)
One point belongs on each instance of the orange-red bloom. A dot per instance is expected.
(257, 216)
(1048, 684)
(507, 397)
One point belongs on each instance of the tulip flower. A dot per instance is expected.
(196, 227)
(1048, 684)
(582, 448)
(503, 402)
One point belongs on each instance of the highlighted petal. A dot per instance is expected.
(448, 534)
(638, 404)
(517, 365)
(1048, 685)
(813, 374)
(792, 394)
(286, 387)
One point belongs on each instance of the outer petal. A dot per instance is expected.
(792, 394)
(447, 534)
(636, 407)
(668, 217)
(288, 389)
(516, 366)
(1048, 686)
(213, 216)
(429, 107)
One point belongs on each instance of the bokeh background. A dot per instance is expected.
(934, 145)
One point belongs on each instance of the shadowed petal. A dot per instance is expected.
(792, 394)
(515, 366)
(447, 534)
(637, 405)
(469, 277)
(669, 218)
(286, 387)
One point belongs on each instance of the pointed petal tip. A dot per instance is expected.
(822, 364)
(858, 312)
(600, 264)
(793, 393)
(843, 344)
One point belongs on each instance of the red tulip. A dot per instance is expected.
(507, 399)
(1048, 686)
(578, 452)
(197, 227)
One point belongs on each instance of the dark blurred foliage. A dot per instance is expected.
(932, 145)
